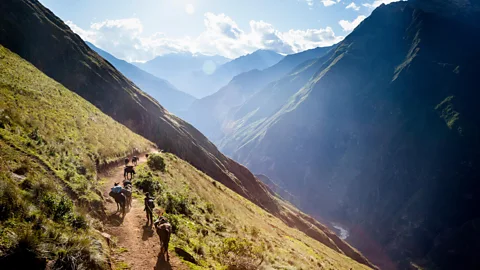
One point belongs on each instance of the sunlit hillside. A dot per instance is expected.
(51, 142)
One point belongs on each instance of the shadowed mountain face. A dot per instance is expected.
(174, 100)
(204, 75)
(381, 134)
(37, 35)
(212, 115)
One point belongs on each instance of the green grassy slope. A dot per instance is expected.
(222, 229)
(51, 141)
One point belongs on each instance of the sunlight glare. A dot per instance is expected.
(189, 9)
(209, 67)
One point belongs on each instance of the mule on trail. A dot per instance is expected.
(164, 229)
(119, 197)
(127, 191)
(127, 161)
(135, 160)
(128, 170)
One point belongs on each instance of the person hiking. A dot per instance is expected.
(149, 206)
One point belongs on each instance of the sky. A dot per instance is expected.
(139, 30)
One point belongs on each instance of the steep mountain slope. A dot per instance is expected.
(27, 27)
(212, 114)
(382, 136)
(219, 228)
(51, 143)
(173, 99)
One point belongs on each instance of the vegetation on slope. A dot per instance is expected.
(221, 229)
(51, 142)
(27, 28)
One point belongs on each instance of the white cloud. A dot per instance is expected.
(349, 26)
(353, 6)
(310, 2)
(125, 39)
(328, 3)
(377, 3)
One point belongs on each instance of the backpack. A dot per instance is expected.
(151, 203)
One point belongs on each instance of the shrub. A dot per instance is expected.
(147, 183)
(175, 203)
(60, 208)
(241, 254)
(255, 232)
(78, 221)
(199, 249)
(156, 162)
(174, 221)
(210, 208)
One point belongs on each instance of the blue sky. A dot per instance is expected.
(138, 30)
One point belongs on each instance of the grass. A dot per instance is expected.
(223, 230)
(51, 143)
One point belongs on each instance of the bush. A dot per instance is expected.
(59, 208)
(175, 204)
(156, 162)
(210, 208)
(241, 254)
(78, 222)
(174, 221)
(146, 183)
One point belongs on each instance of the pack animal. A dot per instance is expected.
(127, 192)
(164, 230)
(127, 161)
(120, 199)
(128, 170)
(135, 160)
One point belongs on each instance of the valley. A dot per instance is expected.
(279, 150)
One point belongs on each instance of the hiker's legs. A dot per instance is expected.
(149, 216)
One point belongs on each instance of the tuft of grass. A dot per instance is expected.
(121, 265)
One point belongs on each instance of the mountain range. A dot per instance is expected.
(164, 92)
(27, 28)
(380, 134)
(201, 75)
(212, 115)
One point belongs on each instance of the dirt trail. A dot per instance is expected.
(138, 246)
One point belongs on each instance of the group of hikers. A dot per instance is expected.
(123, 198)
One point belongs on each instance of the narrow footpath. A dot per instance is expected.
(137, 245)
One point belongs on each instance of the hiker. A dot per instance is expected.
(149, 206)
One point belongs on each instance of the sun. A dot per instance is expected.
(189, 8)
